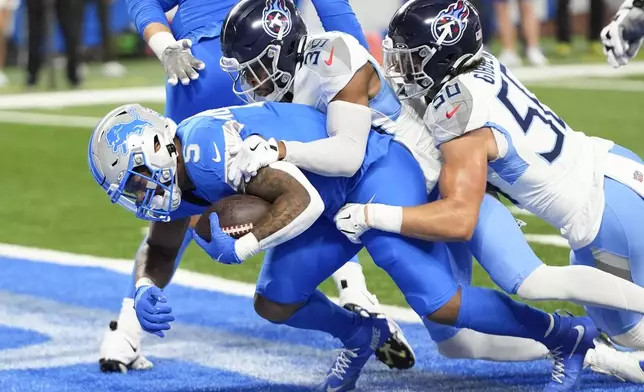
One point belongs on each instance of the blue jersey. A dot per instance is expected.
(195, 19)
(207, 138)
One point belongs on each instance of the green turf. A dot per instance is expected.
(52, 201)
(140, 73)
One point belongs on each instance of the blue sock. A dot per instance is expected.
(495, 313)
(320, 314)
(131, 290)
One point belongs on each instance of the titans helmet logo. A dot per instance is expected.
(116, 137)
(277, 18)
(450, 24)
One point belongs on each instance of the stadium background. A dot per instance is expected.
(49, 201)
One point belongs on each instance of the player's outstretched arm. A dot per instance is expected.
(151, 22)
(453, 218)
(155, 258)
(348, 125)
(462, 185)
(337, 15)
(153, 270)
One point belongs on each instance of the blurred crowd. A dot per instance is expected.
(42, 17)
(499, 12)
(518, 38)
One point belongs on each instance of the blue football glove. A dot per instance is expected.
(151, 311)
(221, 246)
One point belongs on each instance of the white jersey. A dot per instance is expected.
(330, 61)
(545, 166)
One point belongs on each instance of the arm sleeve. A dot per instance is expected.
(337, 15)
(144, 12)
(342, 153)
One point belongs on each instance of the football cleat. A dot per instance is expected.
(344, 373)
(396, 351)
(120, 352)
(605, 359)
(571, 341)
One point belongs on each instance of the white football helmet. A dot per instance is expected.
(132, 155)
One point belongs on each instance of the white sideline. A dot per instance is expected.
(185, 278)
(67, 121)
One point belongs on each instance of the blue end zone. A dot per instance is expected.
(52, 318)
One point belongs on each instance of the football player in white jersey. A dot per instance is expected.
(490, 128)
(623, 36)
(338, 77)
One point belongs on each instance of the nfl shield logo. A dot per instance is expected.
(277, 18)
(450, 24)
(638, 176)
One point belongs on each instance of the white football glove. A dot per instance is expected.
(251, 155)
(176, 57)
(622, 37)
(351, 221)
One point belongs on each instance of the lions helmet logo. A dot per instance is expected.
(277, 18)
(116, 137)
(450, 24)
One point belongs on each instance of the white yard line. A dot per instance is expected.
(157, 93)
(596, 84)
(182, 277)
(61, 99)
(548, 239)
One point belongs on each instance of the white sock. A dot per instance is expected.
(128, 323)
(470, 344)
(633, 338)
(350, 276)
(584, 285)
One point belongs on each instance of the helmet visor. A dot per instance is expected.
(258, 79)
(146, 191)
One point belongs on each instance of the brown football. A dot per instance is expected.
(237, 215)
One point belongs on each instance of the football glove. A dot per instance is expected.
(622, 37)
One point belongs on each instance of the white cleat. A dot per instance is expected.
(396, 352)
(605, 359)
(114, 69)
(535, 57)
(352, 298)
(120, 353)
(510, 58)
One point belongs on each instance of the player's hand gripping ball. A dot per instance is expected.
(227, 220)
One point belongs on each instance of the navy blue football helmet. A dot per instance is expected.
(428, 43)
(261, 44)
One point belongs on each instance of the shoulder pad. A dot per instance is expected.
(330, 61)
(455, 111)
(334, 55)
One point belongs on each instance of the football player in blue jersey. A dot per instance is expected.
(189, 49)
(166, 173)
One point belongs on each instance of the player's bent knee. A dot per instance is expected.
(272, 311)
(448, 313)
